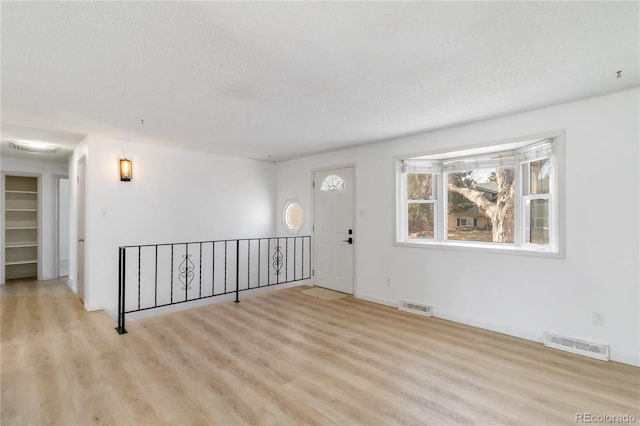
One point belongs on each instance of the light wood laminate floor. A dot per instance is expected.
(285, 358)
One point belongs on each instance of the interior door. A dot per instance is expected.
(81, 227)
(333, 229)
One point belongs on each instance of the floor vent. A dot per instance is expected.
(415, 308)
(580, 347)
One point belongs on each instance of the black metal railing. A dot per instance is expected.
(157, 275)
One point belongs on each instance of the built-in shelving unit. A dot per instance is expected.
(21, 227)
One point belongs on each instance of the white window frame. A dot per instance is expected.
(524, 198)
(556, 197)
(433, 200)
(286, 208)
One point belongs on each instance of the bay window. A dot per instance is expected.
(502, 196)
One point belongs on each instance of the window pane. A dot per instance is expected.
(481, 205)
(539, 222)
(332, 183)
(470, 229)
(420, 220)
(419, 186)
(293, 215)
(539, 176)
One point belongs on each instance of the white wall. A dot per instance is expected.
(63, 227)
(48, 173)
(175, 196)
(517, 295)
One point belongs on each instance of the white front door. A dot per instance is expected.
(333, 229)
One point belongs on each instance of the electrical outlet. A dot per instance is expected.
(598, 318)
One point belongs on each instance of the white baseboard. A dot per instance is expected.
(524, 334)
(72, 285)
(393, 304)
(112, 313)
(134, 316)
(531, 335)
(63, 267)
(630, 360)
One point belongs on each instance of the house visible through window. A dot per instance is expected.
(496, 197)
(467, 222)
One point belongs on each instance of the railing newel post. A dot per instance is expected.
(237, 271)
(139, 284)
(122, 260)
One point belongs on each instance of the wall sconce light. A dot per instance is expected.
(125, 170)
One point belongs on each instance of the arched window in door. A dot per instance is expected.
(332, 183)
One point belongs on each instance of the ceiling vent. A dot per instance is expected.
(34, 147)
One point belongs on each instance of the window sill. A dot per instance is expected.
(487, 248)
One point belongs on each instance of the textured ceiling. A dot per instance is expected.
(278, 80)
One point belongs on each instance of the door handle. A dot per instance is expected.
(81, 240)
(350, 240)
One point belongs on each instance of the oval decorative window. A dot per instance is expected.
(293, 216)
(332, 183)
